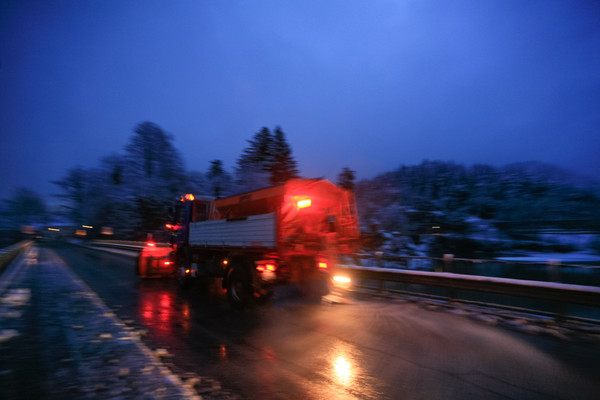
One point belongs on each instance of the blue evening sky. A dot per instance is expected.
(369, 84)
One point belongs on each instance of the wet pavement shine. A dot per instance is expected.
(77, 323)
(59, 341)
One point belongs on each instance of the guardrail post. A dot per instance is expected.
(379, 257)
(554, 276)
(554, 270)
(448, 262)
(448, 268)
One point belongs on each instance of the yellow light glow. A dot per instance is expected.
(189, 196)
(304, 203)
(87, 226)
(342, 369)
(342, 279)
(54, 229)
(322, 265)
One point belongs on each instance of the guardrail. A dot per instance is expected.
(551, 291)
(124, 244)
(559, 292)
(8, 254)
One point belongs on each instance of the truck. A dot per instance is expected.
(290, 234)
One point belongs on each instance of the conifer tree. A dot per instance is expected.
(345, 179)
(267, 160)
(283, 166)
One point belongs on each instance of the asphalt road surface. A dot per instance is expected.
(366, 349)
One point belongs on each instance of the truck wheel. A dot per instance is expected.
(239, 290)
(183, 280)
(183, 262)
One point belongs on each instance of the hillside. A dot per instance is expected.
(479, 211)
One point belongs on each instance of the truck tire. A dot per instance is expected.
(239, 288)
(183, 260)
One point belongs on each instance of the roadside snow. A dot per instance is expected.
(562, 257)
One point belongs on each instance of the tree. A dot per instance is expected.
(220, 181)
(283, 166)
(131, 192)
(25, 208)
(267, 160)
(345, 179)
(252, 169)
(73, 186)
(154, 175)
(154, 165)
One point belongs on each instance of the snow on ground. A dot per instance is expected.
(562, 257)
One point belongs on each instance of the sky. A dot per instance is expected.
(369, 85)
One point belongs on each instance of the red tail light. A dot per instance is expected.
(262, 266)
(151, 244)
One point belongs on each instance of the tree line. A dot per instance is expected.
(438, 205)
(475, 211)
(130, 192)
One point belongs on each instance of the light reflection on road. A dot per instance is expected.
(159, 311)
(342, 369)
(342, 365)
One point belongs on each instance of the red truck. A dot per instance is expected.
(288, 234)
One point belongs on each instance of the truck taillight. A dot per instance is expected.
(322, 265)
(150, 244)
(266, 267)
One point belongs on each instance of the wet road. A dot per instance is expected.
(370, 349)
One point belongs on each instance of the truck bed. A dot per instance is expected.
(252, 231)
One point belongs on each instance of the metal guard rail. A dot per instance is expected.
(560, 292)
(567, 293)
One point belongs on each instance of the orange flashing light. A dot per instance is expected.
(304, 203)
(225, 262)
(189, 197)
(270, 267)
